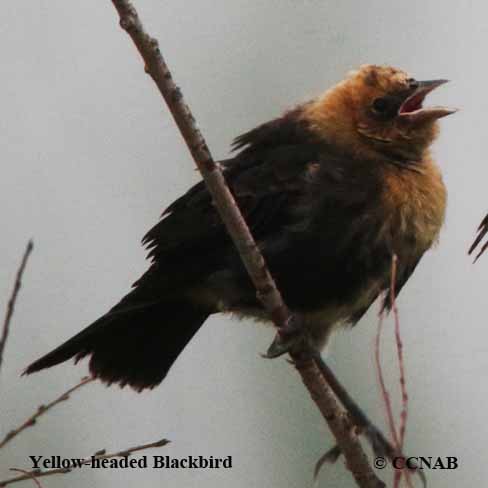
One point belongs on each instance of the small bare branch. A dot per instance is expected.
(482, 231)
(42, 409)
(13, 299)
(88, 460)
(397, 436)
(401, 366)
(31, 475)
(384, 390)
(401, 361)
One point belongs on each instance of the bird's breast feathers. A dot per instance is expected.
(415, 203)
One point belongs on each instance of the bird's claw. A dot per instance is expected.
(381, 447)
(330, 457)
(289, 337)
(379, 444)
(281, 345)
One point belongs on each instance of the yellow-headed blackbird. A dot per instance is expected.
(331, 190)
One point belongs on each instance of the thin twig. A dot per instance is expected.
(42, 409)
(401, 361)
(482, 231)
(30, 474)
(384, 390)
(13, 299)
(397, 436)
(401, 367)
(88, 460)
(237, 228)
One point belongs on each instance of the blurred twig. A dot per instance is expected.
(31, 475)
(403, 385)
(13, 299)
(482, 231)
(383, 388)
(397, 436)
(401, 361)
(37, 473)
(267, 291)
(42, 409)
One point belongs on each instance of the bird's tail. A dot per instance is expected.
(133, 344)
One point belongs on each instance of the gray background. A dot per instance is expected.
(90, 157)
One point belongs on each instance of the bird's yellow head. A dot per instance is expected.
(377, 112)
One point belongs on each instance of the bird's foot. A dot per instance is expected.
(290, 336)
(381, 447)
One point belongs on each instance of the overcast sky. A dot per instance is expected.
(89, 159)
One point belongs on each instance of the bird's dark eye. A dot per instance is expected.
(381, 105)
(385, 108)
(413, 83)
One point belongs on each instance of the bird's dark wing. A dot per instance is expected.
(401, 280)
(482, 231)
(266, 178)
(262, 183)
(291, 129)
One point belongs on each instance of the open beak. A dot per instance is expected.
(412, 110)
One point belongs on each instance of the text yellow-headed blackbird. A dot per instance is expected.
(330, 191)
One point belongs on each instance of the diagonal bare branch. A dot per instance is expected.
(30, 474)
(481, 232)
(266, 288)
(13, 299)
(42, 409)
